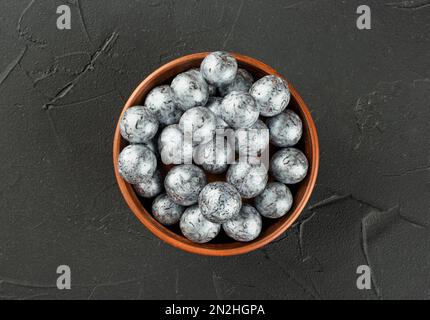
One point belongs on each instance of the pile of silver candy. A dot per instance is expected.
(209, 121)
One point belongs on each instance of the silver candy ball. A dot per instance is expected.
(160, 102)
(214, 105)
(286, 129)
(289, 166)
(242, 83)
(214, 156)
(190, 90)
(248, 178)
(211, 88)
(200, 122)
(246, 226)
(196, 228)
(272, 94)
(171, 145)
(275, 201)
(138, 125)
(220, 202)
(252, 141)
(184, 183)
(136, 163)
(166, 211)
(239, 110)
(151, 187)
(219, 68)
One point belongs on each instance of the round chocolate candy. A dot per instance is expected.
(160, 102)
(272, 95)
(171, 145)
(198, 124)
(275, 201)
(184, 183)
(285, 129)
(211, 88)
(151, 187)
(253, 141)
(166, 211)
(248, 178)
(137, 163)
(239, 110)
(242, 83)
(246, 226)
(190, 90)
(289, 166)
(219, 68)
(214, 156)
(214, 105)
(220, 202)
(138, 125)
(196, 228)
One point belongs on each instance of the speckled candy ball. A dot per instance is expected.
(136, 163)
(246, 226)
(166, 211)
(211, 88)
(219, 68)
(242, 83)
(275, 201)
(196, 228)
(289, 166)
(272, 95)
(160, 102)
(286, 129)
(151, 187)
(214, 156)
(184, 183)
(200, 122)
(190, 90)
(138, 125)
(252, 141)
(214, 105)
(171, 145)
(248, 178)
(239, 110)
(220, 202)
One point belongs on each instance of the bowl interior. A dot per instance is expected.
(222, 245)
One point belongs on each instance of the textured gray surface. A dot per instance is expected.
(61, 94)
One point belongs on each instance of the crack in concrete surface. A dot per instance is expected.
(11, 66)
(24, 32)
(409, 172)
(236, 20)
(409, 4)
(306, 290)
(335, 198)
(370, 223)
(376, 216)
(84, 24)
(104, 48)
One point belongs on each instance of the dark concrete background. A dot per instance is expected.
(61, 93)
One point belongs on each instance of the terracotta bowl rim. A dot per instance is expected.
(180, 242)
